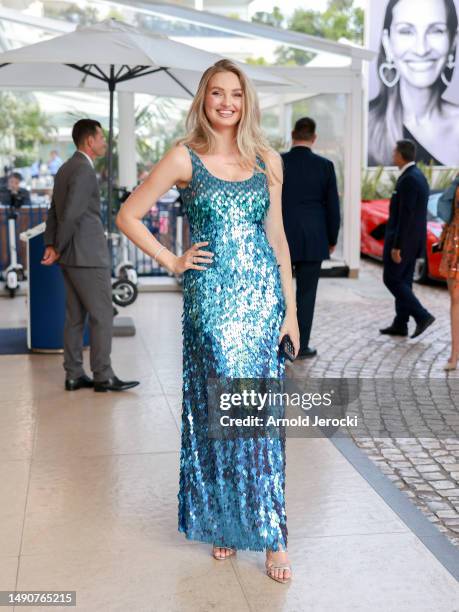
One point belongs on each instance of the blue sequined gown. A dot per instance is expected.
(232, 492)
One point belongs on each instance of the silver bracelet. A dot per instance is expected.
(158, 252)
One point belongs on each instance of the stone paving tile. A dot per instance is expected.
(345, 332)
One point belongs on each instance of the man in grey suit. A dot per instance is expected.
(74, 237)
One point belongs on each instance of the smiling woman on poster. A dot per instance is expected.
(416, 62)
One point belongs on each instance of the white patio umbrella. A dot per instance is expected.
(113, 55)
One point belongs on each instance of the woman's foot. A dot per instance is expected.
(222, 552)
(278, 566)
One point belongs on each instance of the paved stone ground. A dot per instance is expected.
(348, 316)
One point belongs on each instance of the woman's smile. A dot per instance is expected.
(421, 65)
(225, 113)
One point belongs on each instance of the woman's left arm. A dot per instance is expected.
(275, 233)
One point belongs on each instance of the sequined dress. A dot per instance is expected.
(231, 492)
(449, 264)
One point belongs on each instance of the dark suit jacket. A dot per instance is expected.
(310, 204)
(407, 225)
(74, 225)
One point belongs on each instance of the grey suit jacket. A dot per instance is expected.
(74, 225)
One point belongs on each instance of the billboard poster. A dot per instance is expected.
(414, 80)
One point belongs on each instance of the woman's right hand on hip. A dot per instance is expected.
(192, 257)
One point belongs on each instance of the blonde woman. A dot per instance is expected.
(238, 303)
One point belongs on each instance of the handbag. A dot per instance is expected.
(286, 348)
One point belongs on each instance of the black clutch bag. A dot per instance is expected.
(437, 247)
(286, 348)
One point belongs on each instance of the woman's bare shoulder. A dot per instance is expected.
(178, 158)
(274, 161)
(178, 153)
(273, 157)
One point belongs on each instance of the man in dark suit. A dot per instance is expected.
(75, 238)
(405, 241)
(311, 215)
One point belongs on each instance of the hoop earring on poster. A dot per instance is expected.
(450, 64)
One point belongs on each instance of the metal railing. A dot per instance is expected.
(164, 221)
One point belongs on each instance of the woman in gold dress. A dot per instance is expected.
(449, 266)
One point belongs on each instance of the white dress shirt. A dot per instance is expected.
(87, 157)
(406, 166)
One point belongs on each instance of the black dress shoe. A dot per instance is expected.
(72, 384)
(394, 331)
(421, 327)
(306, 353)
(114, 384)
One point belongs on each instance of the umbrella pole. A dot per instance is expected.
(111, 86)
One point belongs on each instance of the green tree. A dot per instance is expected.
(256, 61)
(153, 140)
(274, 19)
(114, 14)
(23, 127)
(341, 19)
(153, 136)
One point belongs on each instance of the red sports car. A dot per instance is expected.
(375, 214)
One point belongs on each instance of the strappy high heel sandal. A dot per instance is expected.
(271, 567)
(214, 549)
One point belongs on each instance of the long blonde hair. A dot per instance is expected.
(250, 140)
